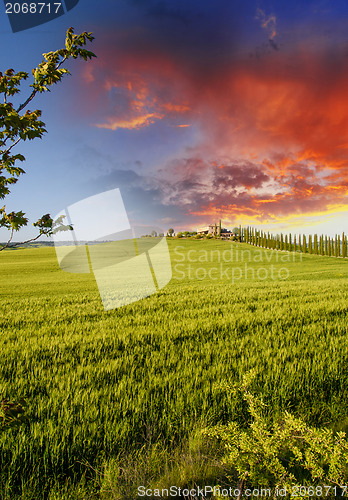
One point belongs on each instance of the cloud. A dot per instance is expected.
(268, 23)
(272, 133)
(134, 122)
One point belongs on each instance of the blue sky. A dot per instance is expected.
(196, 110)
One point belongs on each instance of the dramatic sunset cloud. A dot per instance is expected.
(271, 131)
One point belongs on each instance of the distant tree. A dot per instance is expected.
(316, 244)
(304, 244)
(170, 231)
(17, 125)
(344, 245)
(154, 234)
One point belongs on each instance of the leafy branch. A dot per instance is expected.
(283, 454)
(16, 126)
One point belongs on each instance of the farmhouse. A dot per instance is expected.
(214, 230)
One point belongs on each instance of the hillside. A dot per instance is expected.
(97, 383)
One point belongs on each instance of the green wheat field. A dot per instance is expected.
(98, 387)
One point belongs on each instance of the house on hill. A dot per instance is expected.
(214, 229)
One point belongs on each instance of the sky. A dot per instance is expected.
(197, 111)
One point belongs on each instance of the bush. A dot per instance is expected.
(282, 455)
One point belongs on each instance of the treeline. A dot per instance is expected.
(316, 244)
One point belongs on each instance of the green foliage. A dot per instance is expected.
(16, 126)
(13, 220)
(282, 454)
(105, 383)
(193, 463)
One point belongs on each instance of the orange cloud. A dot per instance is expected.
(281, 119)
(132, 123)
(177, 108)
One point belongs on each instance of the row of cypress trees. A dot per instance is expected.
(318, 245)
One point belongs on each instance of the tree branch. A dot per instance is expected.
(14, 144)
(9, 241)
(7, 245)
(22, 106)
(34, 92)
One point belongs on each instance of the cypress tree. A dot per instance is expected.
(299, 243)
(310, 248)
(316, 244)
(286, 243)
(304, 244)
(326, 252)
(295, 243)
(344, 246)
(336, 253)
(290, 244)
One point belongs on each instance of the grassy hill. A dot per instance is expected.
(98, 383)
